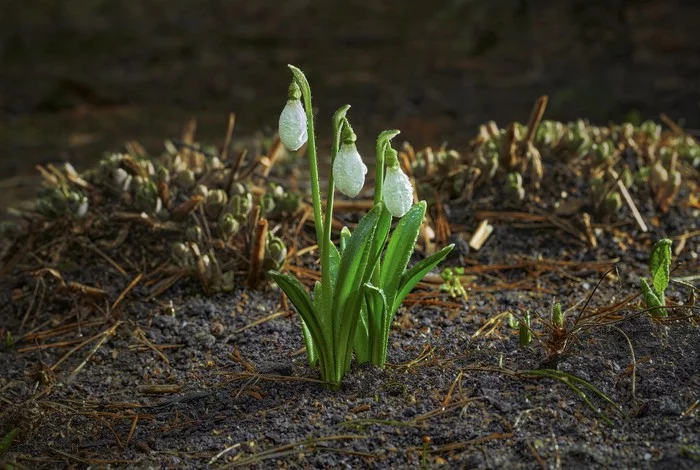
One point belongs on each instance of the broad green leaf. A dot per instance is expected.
(324, 302)
(660, 252)
(652, 300)
(351, 311)
(378, 322)
(348, 297)
(413, 276)
(399, 250)
(383, 227)
(302, 302)
(660, 266)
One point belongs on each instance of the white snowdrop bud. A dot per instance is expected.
(292, 126)
(397, 192)
(348, 170)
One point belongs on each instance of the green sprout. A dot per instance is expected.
(660, 269)
(356, 288)
(525, 331)
(452, 284)
(514, 186)
(557, 316)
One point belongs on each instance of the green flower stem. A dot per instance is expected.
(313, 162)
(382, 142)
(339, 122)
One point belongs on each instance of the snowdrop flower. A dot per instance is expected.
(348, 169)
(292, 125)
(397, 193)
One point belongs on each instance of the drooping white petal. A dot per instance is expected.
(349, 171)
(397, 192)
(292, 125)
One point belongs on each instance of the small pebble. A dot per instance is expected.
(217, 329)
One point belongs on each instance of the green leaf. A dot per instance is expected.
(361, 343)
(334, 263)
(379, 240)
(324, 302)
(660, 266)
(348, 297)
(379, 322)
(7, 439)
(311, 352)
(652, 300)
(399, 250)
(413, 276)
(302, 302)
(525, 331)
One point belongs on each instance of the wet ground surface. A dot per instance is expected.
(187, 381)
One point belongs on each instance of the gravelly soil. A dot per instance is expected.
(243, 389)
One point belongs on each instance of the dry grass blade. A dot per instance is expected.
(260, 321)
(629, 201)
(308, 445)
(229, 135)
(472, 442)
(575, 384)
(104, 335)
(131, 285)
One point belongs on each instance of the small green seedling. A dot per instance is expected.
(513, 322)
(557, 316)
(660, 269)
(453, 285)
(9, 340)
(525, 331)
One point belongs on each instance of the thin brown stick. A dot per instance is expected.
(229, 135)
(257, 253)
(131, 285)
(536, 117)
(260, 321)
(272, 156)
(114, 264)
(131, 431)
(628, 199)
(105, 334)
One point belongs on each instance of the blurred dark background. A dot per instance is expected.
(80, 77)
